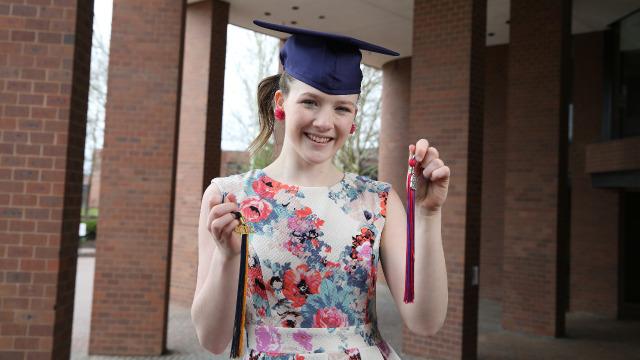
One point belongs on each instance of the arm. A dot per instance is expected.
(427, 313)
(213, 307)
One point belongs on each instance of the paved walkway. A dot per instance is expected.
(589, 337)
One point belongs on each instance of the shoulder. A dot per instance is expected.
(231, 183)
(371, 185)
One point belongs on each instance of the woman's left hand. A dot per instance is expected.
(433, 185)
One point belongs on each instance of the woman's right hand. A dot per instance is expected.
(221, 224)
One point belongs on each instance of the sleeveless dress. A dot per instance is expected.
(312, 267)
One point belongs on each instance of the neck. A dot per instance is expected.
(294, 170)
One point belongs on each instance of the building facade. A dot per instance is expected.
(533, 105)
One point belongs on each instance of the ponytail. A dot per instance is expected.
(266, 91)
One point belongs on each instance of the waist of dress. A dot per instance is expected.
(267, 338)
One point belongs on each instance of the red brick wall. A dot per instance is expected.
(446, 107)
(594, 212)
(535, 205)
(201, 109)
(130, 299)
(45, 48)
(493, 168)
(614, 155)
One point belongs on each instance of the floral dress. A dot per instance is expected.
(312, 267)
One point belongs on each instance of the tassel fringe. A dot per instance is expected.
(410, 256)
(238, 327)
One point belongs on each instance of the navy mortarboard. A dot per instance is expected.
(328, 62)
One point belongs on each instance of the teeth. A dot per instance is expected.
(318, 139)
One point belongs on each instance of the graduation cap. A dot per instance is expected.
(328, 62)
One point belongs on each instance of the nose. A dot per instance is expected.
(324, 120)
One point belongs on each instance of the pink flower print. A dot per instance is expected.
(267, 338)
(304, 212)
(299, 283)
(304, 339)
(256, 282)
(364, 251)
(330, 317)
(298, 225)
(353, 353)
(266, 187)
(255, 209)
(383, 203)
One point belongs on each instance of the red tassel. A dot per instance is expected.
(410, 258)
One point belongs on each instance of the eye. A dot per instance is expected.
(308, 102)
(342, 108)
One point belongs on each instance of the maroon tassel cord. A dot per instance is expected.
(412, 181)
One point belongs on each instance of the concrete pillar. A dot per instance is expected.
(130, 300)
(44, 83)
(594, 212)
(446, 108)
(199, 156)
(536, 198)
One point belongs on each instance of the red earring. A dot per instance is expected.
(353, 128)
(278, 113)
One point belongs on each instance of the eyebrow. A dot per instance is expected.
(338, 102)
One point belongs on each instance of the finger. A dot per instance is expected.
(227, 231)
(440, 173)
(412, 149)
(432, 153)
(421, 149)
(222, 209)
(434, 164)
(215, 201)
(219, 225)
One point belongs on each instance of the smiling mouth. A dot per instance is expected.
(318, 139)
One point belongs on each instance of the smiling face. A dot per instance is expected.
(317, 124)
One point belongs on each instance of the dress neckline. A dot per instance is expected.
(261, 172)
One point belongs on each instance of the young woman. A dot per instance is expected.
(317, 233)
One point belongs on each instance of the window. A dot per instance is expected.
(622, 61)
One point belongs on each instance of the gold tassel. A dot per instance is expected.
(240, 313)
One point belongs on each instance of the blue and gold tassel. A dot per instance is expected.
(239, 325)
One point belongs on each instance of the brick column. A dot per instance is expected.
(536, 206)
(130, 301)
(394, 123)
(446, 108)
(44, 69)
(200, 134)
(494, 139)
(594, 212)
(394, 128)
